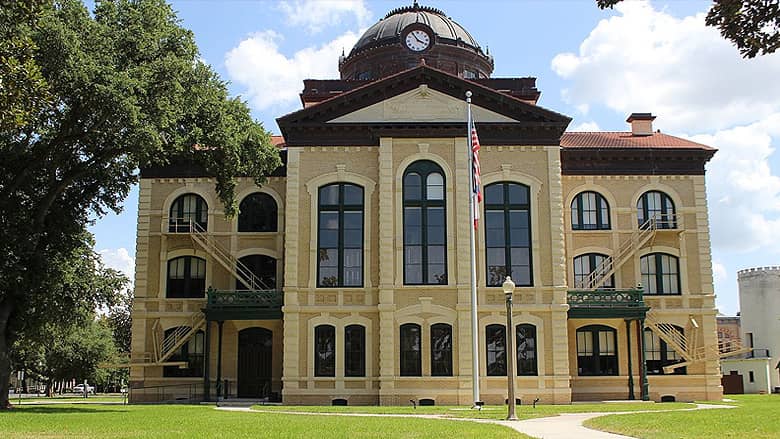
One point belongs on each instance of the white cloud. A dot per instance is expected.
(685, 72)
(273, 80)
(585, 126)
(119, 259)
(315, 15)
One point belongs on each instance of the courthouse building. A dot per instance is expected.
(345, 279)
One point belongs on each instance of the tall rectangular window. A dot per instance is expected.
(508, 234)
(411, 360)
(325, 351)
(355, 351)
(340, 236)
(441, 350)
(425, 224)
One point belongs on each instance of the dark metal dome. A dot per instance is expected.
(388, 29)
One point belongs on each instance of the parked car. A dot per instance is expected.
(79, 388)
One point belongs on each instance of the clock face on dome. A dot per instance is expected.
(418, 40)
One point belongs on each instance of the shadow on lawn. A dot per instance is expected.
(25, 409)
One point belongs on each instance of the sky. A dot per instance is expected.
(592, 65)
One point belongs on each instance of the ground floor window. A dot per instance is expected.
(190, 352)
(659, 354)
(355, 351)
(411, 360)
(325, 351)
(441, 350)
(596, 351)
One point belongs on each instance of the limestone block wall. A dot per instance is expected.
(759, 304)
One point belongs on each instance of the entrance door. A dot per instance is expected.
(254, 363)
(732, 383)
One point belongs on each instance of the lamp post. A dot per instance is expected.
(509, 289)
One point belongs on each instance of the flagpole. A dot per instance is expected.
(474, 322)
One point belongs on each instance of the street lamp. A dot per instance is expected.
(509, 289)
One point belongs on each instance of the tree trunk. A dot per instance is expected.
(6, 307)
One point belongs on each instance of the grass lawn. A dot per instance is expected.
(68, 398)
(488, 412)
(756, 416)
(186, 421)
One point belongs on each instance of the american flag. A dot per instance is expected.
(476, 184)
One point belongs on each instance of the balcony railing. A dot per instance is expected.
(606, 303)
(244, 304)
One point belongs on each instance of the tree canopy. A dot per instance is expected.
(115, 90)
(752, 25)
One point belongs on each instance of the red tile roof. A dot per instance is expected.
(277, 141)
(612, 139)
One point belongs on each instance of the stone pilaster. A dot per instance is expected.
(292, 329)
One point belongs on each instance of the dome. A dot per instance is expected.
(388, 29)
(409, 36)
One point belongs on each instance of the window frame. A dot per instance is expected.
(659, 275)
(325, 351)
(195, 360)
(597, 358)
(424, 169)
(177, 223)
(409, 366)
(662, 350)
(441, 366)
(190, 289)
(610, 284)
(666, 202)
(248, 214)
(351, 354)
(341, 208)
(506, 208)
(578, 212)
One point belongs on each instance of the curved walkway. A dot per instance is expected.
(563, 426)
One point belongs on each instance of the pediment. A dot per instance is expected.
(421, 104)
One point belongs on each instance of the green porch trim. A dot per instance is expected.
(589, 304)
(224, 305)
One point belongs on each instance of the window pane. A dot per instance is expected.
(496, 256)
(437, 274)
(495, 345)
(325, 351)
(353, 220)
(526, 349)
(494, 194)
(412, 187)
(329, 195)
(353, 195)
(435, 187)
(411, 364)
(518, 194)
(354, 351)
(441, 350)
(329, 220)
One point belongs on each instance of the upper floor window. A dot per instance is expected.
(187, 210)
(186, 277)
(340, 237)
(355, 351)
(191, 352)
(596, 350)
(660, 273)
(324, 351)
(657, 206)
(586, 264)
(659, 354)
(425, 233)
(441, 350)
(263, 268)
(257, 213)
(589, 211)
(508, 234)
(411, 358)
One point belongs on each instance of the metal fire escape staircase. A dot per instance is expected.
(197, 320)
(691, 350)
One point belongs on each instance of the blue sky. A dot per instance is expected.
(595, 66)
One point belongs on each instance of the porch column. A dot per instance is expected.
(642, 364)
(206, 360)
(630, 370)
(219, 358)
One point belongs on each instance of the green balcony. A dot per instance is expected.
(244, 305)
(584, 304)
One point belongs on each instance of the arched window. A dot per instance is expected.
(508, 234)
(441, 350)
(340, 237)
(191, 352)
(597, 350)
(186, 277)
(264, 269)
(425, 232)
(495, 346)
(355, 351)
(589, 211)
(526, 349)
(585, 264)
(257, 213)
(411, 359)
(324, 351)
(660, 273)
(186, 210)
(657, 206)
(659, 354)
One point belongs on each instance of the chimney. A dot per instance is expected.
(641, 124)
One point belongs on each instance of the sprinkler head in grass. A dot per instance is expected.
(535, 401)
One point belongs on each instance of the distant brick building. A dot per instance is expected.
(346, 278)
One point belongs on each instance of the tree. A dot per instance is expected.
(120, 321)
(752, 25)
(127, 90)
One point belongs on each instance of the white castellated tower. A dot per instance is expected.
(759, 303)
